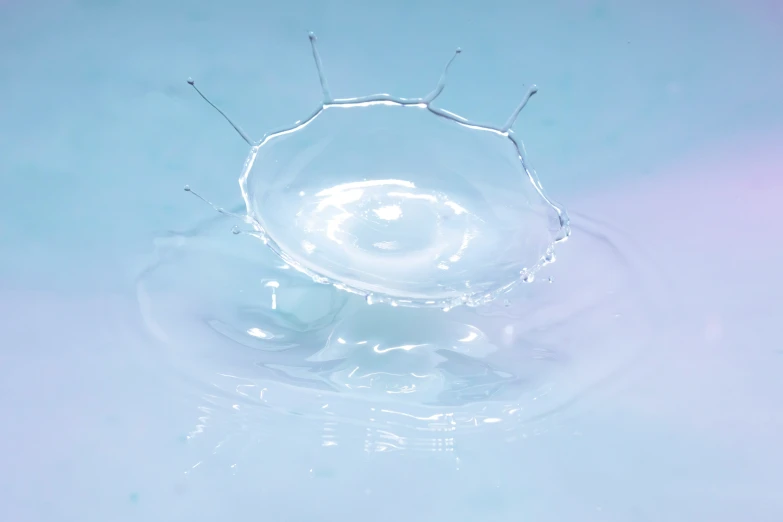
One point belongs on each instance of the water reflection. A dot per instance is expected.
(265, 341)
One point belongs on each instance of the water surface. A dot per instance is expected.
(656, 125)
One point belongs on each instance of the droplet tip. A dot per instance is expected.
(311, 35)
(187, 188)
(459, 50)
(191, 82)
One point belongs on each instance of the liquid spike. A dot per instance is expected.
(510, 123)
(214, 207)
(320, 67)
(442, 81)
(236, 127)
(401, 291)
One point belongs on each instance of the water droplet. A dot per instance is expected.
(187, 188)
(236, 230)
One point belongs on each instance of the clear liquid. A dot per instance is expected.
(400, 201)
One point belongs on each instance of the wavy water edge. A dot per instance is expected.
(419, 276)
(259, 350)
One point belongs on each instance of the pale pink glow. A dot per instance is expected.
(711, 223)
(760, 8)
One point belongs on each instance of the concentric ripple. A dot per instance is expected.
(230, 314)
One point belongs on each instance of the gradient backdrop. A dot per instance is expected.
(663, 118)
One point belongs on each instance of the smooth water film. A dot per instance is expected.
(400, 201)
(261, 333)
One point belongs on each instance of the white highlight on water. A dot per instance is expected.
(328, 101)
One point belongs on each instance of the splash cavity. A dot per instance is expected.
(400, 201)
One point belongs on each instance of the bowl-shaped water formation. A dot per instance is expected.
(400, 201)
